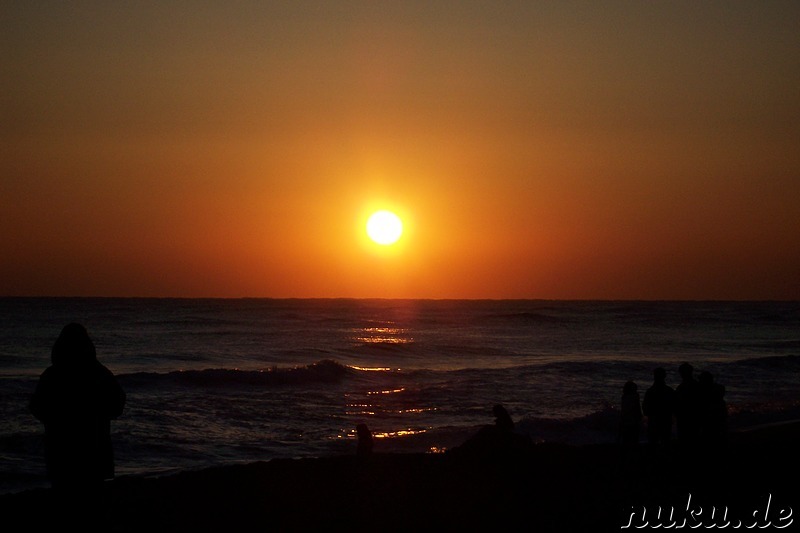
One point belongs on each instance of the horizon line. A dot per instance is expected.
(383, 298)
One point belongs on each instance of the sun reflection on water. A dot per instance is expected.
(416, 410)
(398, 433)
(391, 391)
(382, 334)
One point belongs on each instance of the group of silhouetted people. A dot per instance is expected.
(76, 398)
(697, 407)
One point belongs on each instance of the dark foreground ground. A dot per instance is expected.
(544, 488)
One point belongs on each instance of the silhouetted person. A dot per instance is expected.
(76, 398)
(502, 420)
(496, 441)
(687, 407)
(658, 407)
(713, 411)
(365, 442)
(630, 423)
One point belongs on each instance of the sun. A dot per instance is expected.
(384, 227)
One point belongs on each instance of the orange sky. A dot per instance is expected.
(579, 150)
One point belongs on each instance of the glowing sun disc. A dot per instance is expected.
(384, 227)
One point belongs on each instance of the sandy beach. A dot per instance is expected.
(548, 487)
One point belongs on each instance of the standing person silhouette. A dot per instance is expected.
(658, 407)
(365, 442)
(76, 398)
(687, 408)
(713, 411)
(630, 415)
(630, 425)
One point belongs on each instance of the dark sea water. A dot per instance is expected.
(223, 381)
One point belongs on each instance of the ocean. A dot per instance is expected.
(223, 381)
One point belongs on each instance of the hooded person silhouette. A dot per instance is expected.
(76, 398)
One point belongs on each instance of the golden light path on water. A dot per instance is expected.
(382, 334)
(392, 391)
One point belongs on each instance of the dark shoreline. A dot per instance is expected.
(550, 487)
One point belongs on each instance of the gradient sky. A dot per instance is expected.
(576, 150)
